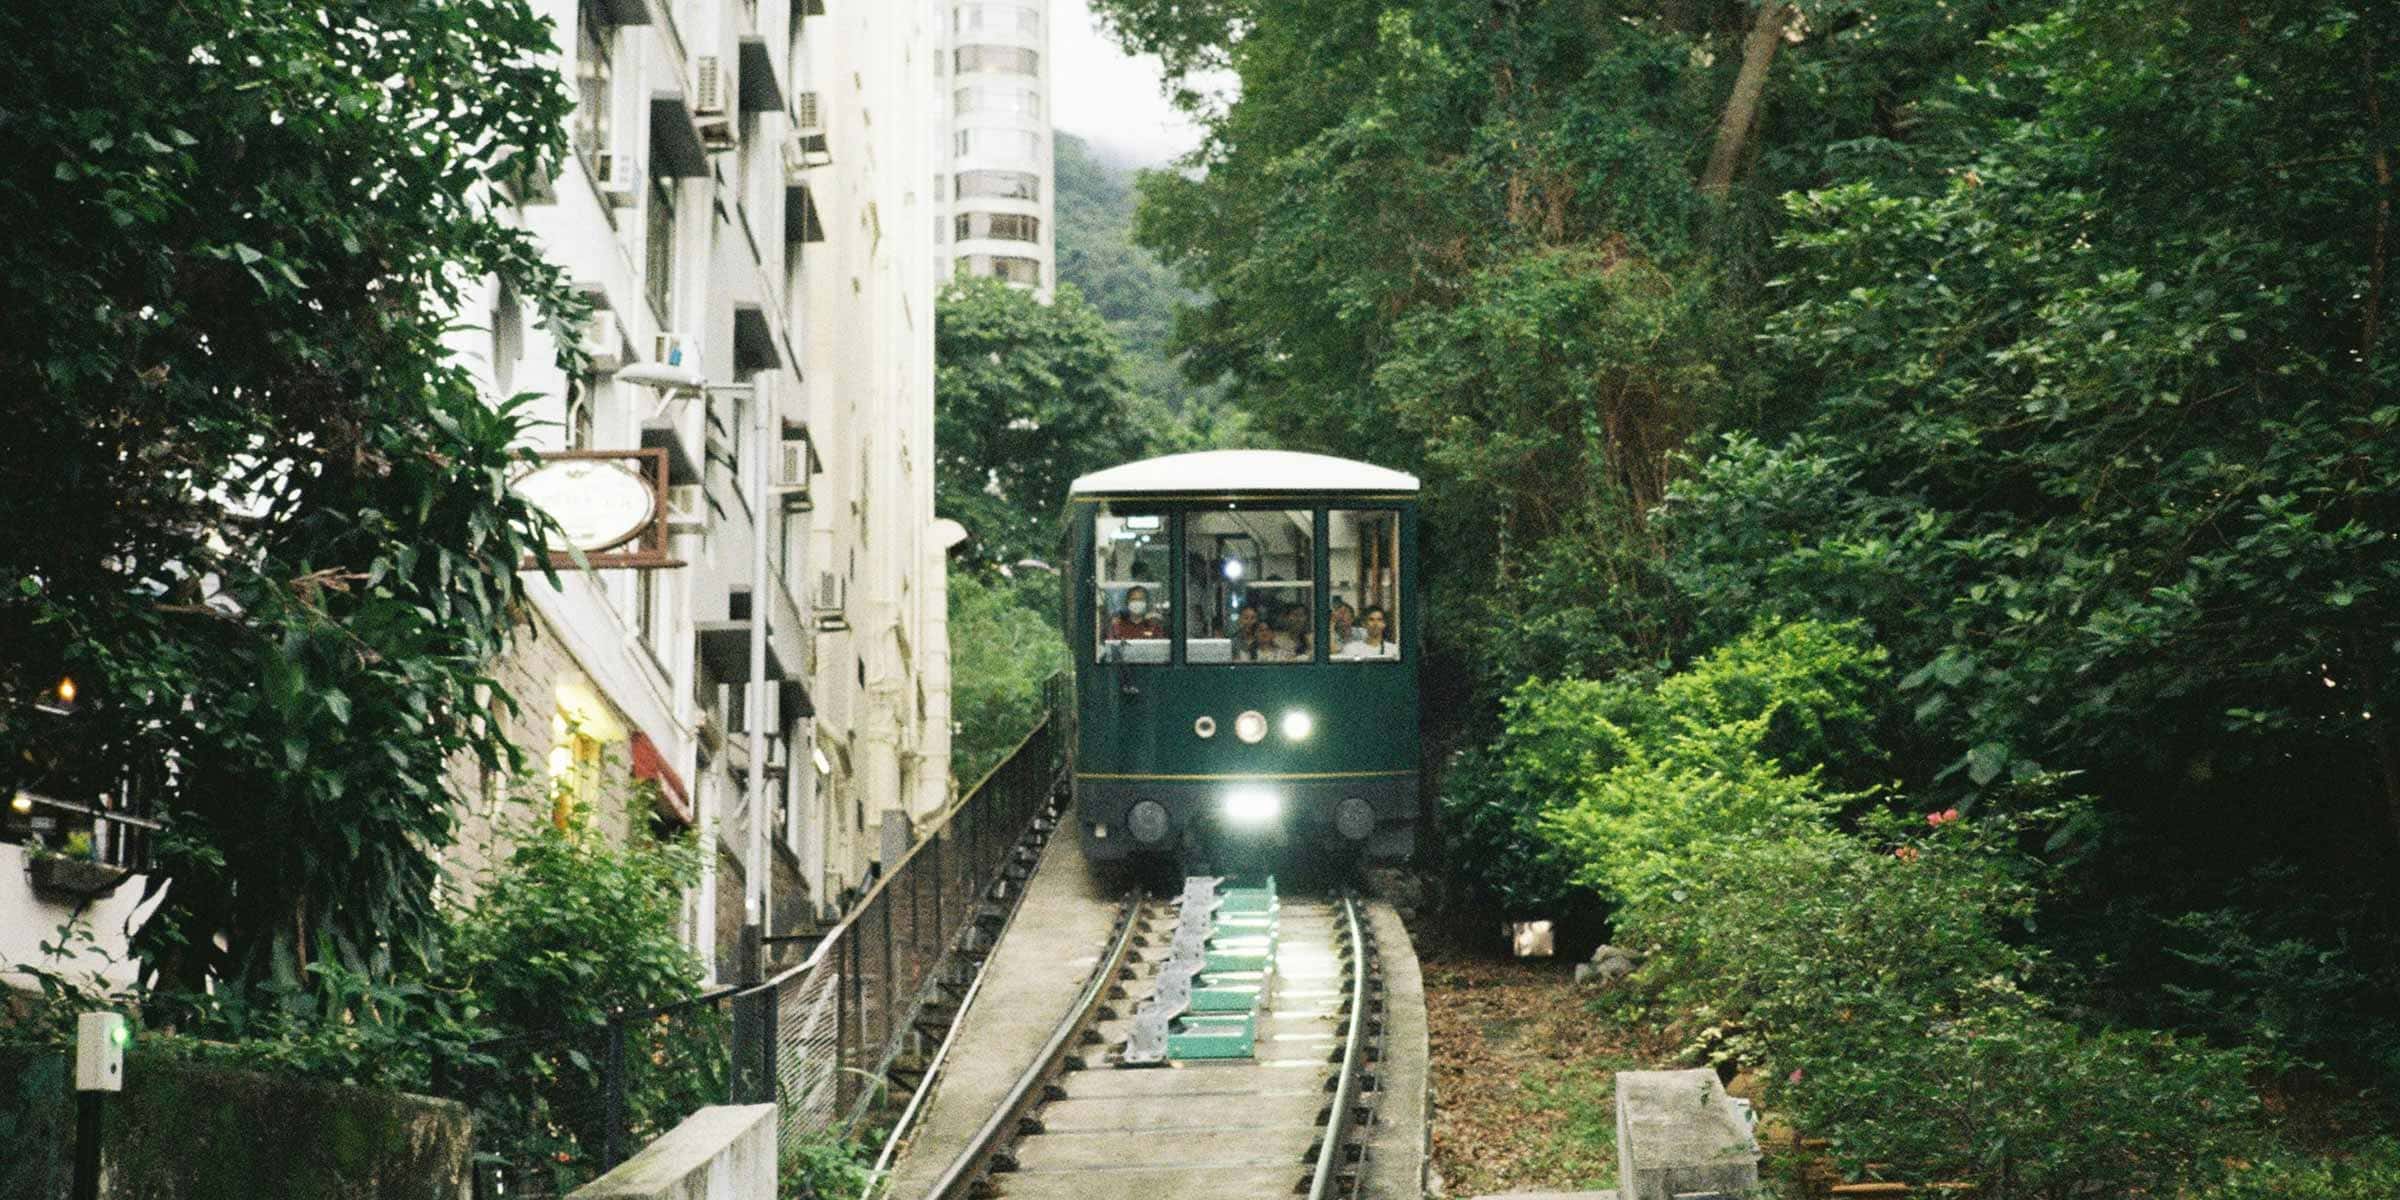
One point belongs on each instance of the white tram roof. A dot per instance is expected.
(1232, 472)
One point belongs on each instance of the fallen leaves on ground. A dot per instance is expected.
(1523, 1076)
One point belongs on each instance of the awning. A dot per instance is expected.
(753, 340)
(675, 149)
(674, 800)
(760, 91)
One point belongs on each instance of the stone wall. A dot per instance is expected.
(180, 1131)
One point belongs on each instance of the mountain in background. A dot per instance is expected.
(1138, 296)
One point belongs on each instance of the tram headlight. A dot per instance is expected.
(1252, 806)
(1354, 818)
(1297, 725)
(1148, 821)
(1251, 727)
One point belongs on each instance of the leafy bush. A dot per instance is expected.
(1607, 784)
(1004, 647)
(2367, 1170)
(823, 1168)
(574, 928)
(1880, 981)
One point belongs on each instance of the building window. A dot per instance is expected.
(997, 98)
(594, 81)
(1011, 60)
(992, 17)
(1006, 227)
(999, 185)
(1020, 144)
(659, 243)
(1007, 268)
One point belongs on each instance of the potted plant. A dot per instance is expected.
(72, 870)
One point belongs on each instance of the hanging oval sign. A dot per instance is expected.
(598, 503)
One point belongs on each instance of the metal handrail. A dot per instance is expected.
(1028, 1089)
(1321, 1183)
(833, 936)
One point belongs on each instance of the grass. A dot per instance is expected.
(1524, 1075)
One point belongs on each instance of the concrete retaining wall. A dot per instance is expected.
(180, 1131)
(725, 1152)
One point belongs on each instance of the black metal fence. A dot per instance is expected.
(831, 1029)
(819, 1039)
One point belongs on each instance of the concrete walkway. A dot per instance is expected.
(1030, 981)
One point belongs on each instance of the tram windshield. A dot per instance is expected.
(1250, 586)
(1362, 555)
(1132, 554)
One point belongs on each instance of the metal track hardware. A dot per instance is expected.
(1215, 977)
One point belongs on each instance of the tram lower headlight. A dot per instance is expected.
(1148, 821)
(1354, 818)
(1252, 806)
(1251, 727)
(1297, 725)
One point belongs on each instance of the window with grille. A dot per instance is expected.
(1013, 60)
(999, 185)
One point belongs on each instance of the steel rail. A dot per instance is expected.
(1345, 1090)
(973, 1161)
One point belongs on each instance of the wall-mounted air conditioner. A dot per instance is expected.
(792, 474)
(671, 349)
(828, 601)
(708, 86)
(613, 174)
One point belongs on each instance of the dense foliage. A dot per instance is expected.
(1004, 649)
(2040, 343)
(256, 511)
(1027, 396)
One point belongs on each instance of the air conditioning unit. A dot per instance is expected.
(613, 173)
(708, 86)
(805, 146)
(717, 133)
(604, 340)
(670, 349)
(687, 508)
(833, 589)
(793, 466)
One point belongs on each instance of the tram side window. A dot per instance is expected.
(1363, 556)
(1131, 556)
(1249, 586)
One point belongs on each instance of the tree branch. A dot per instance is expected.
(1741, 108)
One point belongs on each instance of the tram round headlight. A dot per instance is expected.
(1297, 725)
(1205, 727)
(1354, 818)
(1148, 821)
(1251, 727)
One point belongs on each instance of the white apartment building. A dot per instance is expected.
(734, 165)
(993, 170)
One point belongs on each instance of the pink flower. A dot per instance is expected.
(1939, 819)
(1905, 854)
(1795, 1076)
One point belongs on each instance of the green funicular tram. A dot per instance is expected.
(1245, 636)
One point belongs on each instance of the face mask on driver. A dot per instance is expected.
(1137, 607)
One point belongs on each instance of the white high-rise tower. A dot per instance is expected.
(992, 178)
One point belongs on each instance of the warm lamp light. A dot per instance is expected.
(66, 689)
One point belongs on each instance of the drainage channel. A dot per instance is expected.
(1223, 1047)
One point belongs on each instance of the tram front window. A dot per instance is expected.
(1249, 586)
(1131, 558)
(1363, 554)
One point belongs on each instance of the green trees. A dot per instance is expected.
(1027, 396)
(257, 512)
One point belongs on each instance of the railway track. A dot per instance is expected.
(1224, 1054)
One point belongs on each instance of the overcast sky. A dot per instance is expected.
(1107, 98)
